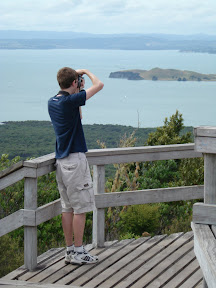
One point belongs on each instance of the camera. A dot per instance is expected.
(80, 79)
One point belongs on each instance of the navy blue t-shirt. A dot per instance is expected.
(65, 117)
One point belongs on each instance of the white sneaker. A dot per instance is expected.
(68, 256)
(83, 258)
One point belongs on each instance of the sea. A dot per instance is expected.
(28, 80)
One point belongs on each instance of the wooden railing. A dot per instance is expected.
(204, 214)
(31, 215)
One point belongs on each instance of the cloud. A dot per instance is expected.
(111, 16)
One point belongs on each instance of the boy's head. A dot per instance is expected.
(66, 76)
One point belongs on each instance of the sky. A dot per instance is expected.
(110, 16)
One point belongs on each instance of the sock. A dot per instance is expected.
(70, 248)
(78, 249)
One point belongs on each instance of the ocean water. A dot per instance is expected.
(28, 80)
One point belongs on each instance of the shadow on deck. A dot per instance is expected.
(160, 261)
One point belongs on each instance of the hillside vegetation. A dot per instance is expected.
(37, 138)
(163, 75)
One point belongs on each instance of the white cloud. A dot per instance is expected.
(111, 16)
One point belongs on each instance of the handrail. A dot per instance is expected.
(31, 215)
(204, 213)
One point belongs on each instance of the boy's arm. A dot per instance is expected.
(80, 111)
(97, 85)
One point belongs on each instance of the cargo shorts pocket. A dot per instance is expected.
(70, 175)
(86, 194)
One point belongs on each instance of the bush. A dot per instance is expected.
(138, 219)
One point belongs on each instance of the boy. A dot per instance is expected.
(72, 170)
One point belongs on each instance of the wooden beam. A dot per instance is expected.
(16, 176)
(110, 155)
(139, 150)
(40, 161)
(205, 131)
(204, 213)
(11, 169)
(30, 233)
(149, 196)
(205, 144)
(142, 157)
(45, 169)
(204, 248)
(29, 284)
(99, 214)
(11, 222)
(48, 211)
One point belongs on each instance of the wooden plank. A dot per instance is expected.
(140, 150)
(29, 217)
(40, 161)
(48, 211)
(200, 285)
(204, 247)
(151, 259)
(44, 261)
(75, 275)
(205, 131)
(11, 169)
(131, 261)
(17, 283)
(16, 176)
(205, 145)
(213, 228)
(11, 222)
(128, 154)
(210, 179)
(176, 275)
(149, 196)
(30, 233)
(105, 269)
(166, 267)
(194, 280)
(70, 272)
(99, 214)
(20, 273)
(204, 213)
(52, 269)
(45, 170)
(142, 157)
(55, 272)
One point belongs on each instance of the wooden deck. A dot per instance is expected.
(160, 261)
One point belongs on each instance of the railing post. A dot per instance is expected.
(99, 214)
(30, 233)
(209, 178)
(205, 142)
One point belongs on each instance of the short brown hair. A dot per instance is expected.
(66, 76)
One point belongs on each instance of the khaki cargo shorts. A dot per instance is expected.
(75, 183)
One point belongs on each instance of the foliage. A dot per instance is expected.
(37, 138)
(139, 219)
(170, 133)
(11, 255)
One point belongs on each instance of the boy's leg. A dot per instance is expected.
(67, 224)
(78, 228)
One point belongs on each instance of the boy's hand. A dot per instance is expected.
(81, 71)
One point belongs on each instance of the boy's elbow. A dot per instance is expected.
(101, 85)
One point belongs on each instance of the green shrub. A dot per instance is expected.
(137, 219)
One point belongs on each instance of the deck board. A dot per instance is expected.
(160, 261)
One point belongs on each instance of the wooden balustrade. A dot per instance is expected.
(31, 215)
(204, 214)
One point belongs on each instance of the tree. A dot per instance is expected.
(175, 216)
(170, 133)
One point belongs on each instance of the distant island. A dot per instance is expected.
(15, 39)
(162, 75)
